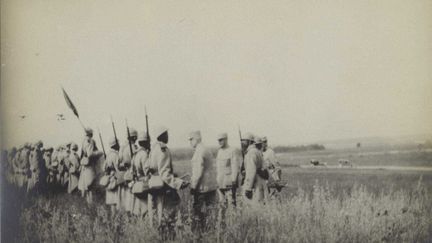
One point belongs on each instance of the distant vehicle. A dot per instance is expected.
(23, 117)
(345, 163)
(316, 162)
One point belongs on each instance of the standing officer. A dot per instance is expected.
(203, 181)
(255, 180)
(126, 196)
(166, 199)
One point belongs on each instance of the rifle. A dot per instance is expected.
(147, 126)
(241, 148)
(115, 134)
(242, 168)
(103, 148)
(129, 141)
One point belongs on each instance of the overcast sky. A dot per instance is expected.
(296, 71)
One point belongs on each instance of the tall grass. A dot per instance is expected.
(319, 215)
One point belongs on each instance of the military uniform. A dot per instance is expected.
(22, 166)
(36, 168)
(166, 200)
(254, 163)
(274, 169)
(139, 162)
(203, 183)
(89, 158)
(110, 168)
(126, 197)
(73, 169)
(229, 161)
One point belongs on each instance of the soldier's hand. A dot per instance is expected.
(184, 185)
(248, 194)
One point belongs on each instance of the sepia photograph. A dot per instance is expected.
(216, 121)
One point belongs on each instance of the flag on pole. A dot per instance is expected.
(70, 104)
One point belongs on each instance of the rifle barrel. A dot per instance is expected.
(114, 130)
(129, 141)
(103, 148)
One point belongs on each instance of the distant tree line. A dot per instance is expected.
(298, 148)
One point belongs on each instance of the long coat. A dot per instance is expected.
(74, 167)
(254, 162)
(203, 170)
(228, 162)
(88, 163)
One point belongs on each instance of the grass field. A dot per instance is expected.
(318, 205)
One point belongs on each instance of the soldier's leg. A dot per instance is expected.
(223, 203)
(150, 203)
(197, 215)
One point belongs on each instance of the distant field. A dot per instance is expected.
(360, 157)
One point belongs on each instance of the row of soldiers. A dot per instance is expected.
(36, 170)
(214, 180)
(139, 177)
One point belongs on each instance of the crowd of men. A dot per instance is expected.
(139, 178)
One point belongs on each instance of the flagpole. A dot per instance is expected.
(82, 125)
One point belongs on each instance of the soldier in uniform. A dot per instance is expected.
(272, 165)
(73, 168)
(203, 182)
(89, 156)
(125, 194)
(165, 199)
(139, 162)
(228, 162)
(10, 159)
(37, 169)
(255, 180)
(22, 165)
(111, 168)
(47, 157)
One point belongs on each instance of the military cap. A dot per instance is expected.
(74, 146)
(264, 139)
(257, 140)
(49, 149)
(160, 130)
(223, 135)
(248, 136)
(89, 131)
(195, 134)
(112, 141)
(133, 132)
(142, 136)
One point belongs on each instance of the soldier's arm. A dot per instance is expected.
(164, 169)
(251, 169)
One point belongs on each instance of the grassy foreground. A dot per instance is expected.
(316, 216)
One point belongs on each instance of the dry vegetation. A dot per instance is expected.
(317, 206)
